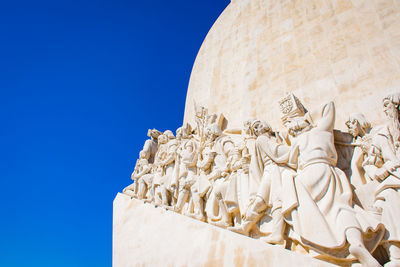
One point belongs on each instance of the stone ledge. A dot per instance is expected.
(147, 236)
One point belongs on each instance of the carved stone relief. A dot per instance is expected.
(332, 194)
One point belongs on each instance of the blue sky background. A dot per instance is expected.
(80, 84)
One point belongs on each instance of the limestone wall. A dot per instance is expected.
(259, 50)
(147, 236)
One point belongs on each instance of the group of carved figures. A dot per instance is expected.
(289, 187)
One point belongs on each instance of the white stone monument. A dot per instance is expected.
(289, 154)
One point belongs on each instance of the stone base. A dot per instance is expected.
(147, 236)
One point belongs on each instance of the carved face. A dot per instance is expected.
(159, 168)
(142, 154)
(389, 108)
(354, 127)
(259, 129)
(189, 147)
(162, 139)
(210, 135)
(154, 134)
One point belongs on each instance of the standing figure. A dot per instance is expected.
(173, 185)
(364, 187)
(241, 187)
(234, 198)
(202, 185)
(318, 204)
(159, 171)
(383, 166)
(186, 172)
(151, 145)
(213, 185)
(168, 163)
(359, 128)
(268, 164)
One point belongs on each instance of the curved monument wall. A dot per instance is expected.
(321, 50)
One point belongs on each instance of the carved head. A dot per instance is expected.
(144, 155)
(162, 139)
(246, 130)
(391, 105)
(358, 125)
(212, 132)
(153, 133)
(169, 134)
(209, 153)
(259, 127)
(189, 147)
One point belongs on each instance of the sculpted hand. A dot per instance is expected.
(381, 174)
(246, 168)
(391, 166)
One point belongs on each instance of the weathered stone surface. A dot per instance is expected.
(259, 50)
(147, 236)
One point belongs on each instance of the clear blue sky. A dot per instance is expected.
(81, 82)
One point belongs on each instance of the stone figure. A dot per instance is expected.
(364, 187)
(153, 187)
(186, 172)
(267, 163)
(234, 199)
(284, 187)
(359, 128)
(208, 128)
(141, 175)
(202, 185)
(318, 202)
(146, 181)
(159, 172)
(245, 186)
(216, 181)
(166, 190)
(383, 165)
(173, 185)
(142, 168)
(151, 145)
(242, 188)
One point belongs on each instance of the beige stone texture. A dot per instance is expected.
(147, 236)
(257, 51)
